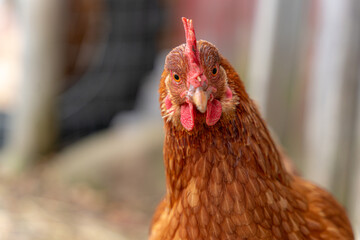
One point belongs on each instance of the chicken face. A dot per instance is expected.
(195, 81)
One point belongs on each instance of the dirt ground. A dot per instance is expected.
(105, 187)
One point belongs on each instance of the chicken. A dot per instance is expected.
(225, 175)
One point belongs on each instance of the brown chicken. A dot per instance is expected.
(225, 175)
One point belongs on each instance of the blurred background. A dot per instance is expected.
(80, 127)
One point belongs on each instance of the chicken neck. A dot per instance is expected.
(239, 146)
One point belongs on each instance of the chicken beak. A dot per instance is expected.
(200, 99)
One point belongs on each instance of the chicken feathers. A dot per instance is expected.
(225, 175)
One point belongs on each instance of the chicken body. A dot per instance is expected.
(226, 180)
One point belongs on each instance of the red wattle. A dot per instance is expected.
(187, 116)
(213, 112)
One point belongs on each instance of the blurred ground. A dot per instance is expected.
(32, 210)
(95, 190)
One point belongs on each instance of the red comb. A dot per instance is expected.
(191, 51)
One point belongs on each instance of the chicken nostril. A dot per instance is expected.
(204, 85)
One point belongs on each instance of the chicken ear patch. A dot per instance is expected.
(168, 103)
(187, 116)
(213, 112)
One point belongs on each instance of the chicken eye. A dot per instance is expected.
(176, 78)
(214, 71)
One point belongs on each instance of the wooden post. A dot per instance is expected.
(261, 52)
(322, 122)
(33, 126)
(348, 184)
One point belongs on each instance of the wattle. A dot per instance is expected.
(187, 116)
(213, 114)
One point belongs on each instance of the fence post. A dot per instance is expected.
(32, 129)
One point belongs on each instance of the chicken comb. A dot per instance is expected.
(191, 51)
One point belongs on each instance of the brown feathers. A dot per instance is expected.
(228, 181)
